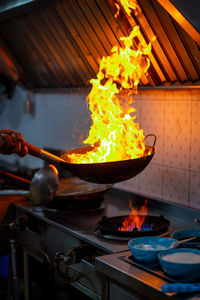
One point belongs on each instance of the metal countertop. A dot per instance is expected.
(83, 225)
(141, 282)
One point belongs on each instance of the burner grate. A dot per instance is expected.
(74, 205)
(153, 269)
(154, 225)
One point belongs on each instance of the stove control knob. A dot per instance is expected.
(61, 257)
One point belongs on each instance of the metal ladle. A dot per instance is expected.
(42, 187)
(196, 221)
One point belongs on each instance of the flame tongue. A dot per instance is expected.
(113, 134)
(128, 6)
(136, 219)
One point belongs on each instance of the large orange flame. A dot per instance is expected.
(128, 5)
(114, 135)
(136, 219)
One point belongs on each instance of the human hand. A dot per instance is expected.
(12, 142)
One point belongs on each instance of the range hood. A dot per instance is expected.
(186, 13)
(58, 44)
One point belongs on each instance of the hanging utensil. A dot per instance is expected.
(196, 221)
(42, 187)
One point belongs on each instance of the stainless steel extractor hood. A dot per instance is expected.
(186, 13)
(57, 44)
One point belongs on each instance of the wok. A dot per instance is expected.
(107, 172)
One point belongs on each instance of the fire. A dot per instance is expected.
(136, 219)
(128, 6)
(114, 135)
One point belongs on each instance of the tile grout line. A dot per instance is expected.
(163, 146)
(190, 153)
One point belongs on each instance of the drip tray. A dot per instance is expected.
(154, 270)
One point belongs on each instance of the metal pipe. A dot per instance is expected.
(26, 276)
(15, 279)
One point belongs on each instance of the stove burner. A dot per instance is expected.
(73, 205)
(73, 210)
(121, 238)
(154, 225)
(75, 194)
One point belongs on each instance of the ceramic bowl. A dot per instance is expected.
(145, 249)
(187, 233)
(182, 263)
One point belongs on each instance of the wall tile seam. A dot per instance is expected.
(175, 99)
(153, 196)
(163, 152)
(174, 168)
(151, 98)
(194, 171)
(170, 91)
(150, 195)
(62, 92)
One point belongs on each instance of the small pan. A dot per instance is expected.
(107, 172)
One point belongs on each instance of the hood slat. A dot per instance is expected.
(60, 45)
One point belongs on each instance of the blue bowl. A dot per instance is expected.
(145, 249)
(187, 233)
(178, 263)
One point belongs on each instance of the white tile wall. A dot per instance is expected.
(176, 185)
(194, 200)
(152, 121)
(175, 119)
(151, 180)
(131, 185)
(62, 120)
(195, 136)
(177, 133)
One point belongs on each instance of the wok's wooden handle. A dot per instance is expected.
(40, 153)
(33, 150)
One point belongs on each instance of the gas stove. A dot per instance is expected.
(113, 227)
(95, 264)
